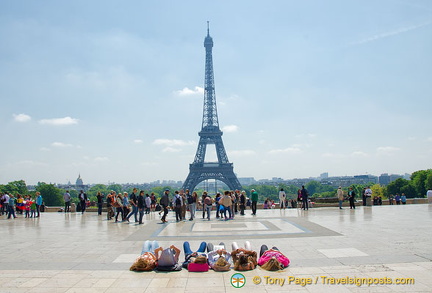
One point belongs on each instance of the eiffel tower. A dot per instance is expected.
(210, 133)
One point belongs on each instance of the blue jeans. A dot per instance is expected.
(134, 212)
(187, 250)
(149, 246)
(229, 211)
(208, 209)
(340, 203)
(99, 208)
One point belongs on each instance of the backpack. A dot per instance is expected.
(178, 202)
(208, 201)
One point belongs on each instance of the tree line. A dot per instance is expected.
(416, 187)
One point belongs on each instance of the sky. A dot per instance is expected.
(113, 90)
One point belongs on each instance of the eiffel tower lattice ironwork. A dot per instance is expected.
(210, 133)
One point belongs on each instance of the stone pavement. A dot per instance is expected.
(86, 253)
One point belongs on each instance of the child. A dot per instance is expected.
(27, 207)
(32, 208)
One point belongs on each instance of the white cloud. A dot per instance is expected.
(359, 154)
(59, 121)
(172, 142)
(44, 149)
(101, 159)
(388, 150)
(241, 153)
(188, 92)
(21, 117)
(332, 155)
(61, 145)
(138, 141)
(429, 138)
(290, 150)
(230, 128)
(171, 150)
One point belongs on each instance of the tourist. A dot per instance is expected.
(208, 203)
(99, 197)
(164, 202)
(147, 260)
(244, 259)
(282, 199)
(147, 203)
(177, 205)
(242, 202)
(192, 200)
(133, 200)
(184, 205)
(118, 204)
(39, 201)
(226, 202)
(403, 198)
(141, 206)
(126, 205)
(109, 202)
(272, 259)
(167, 259)
(340, 196)
(254, 197)
(67, 200)
(218, 206)
(391, 199)
(153, 201)
(351, 197)
(191, 255)
(218, 258)
(305, 198)
(398, 199)
(11, 207)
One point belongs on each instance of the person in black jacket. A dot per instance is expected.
(164, 202)
(141, 206)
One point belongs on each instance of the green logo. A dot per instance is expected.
(238, 280)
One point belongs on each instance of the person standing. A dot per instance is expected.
(177, 204)
(282, 199)
(119, 207)
(242, 202)
(83, 200)
(5, 203)
(305, 198)
(184, 205)
(403, 198)
(141, 206)
(67, 199)
(390, 199)
(39, 201)
(208, 202)
(226, 201)
(147, 201)
(191, 199)
(133, 200)
(340, 196)
(126, 205)
(254, 198)
(109, 203)
(218, 212)
(164, 202)
(11, 207)
(368, 193)
(351, 197)
(99, 197)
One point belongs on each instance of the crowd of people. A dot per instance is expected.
(30, 207)
(209, 256)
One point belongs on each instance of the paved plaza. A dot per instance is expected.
(328, 248)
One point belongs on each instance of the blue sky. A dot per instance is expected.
(113, 89)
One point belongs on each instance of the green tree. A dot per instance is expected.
(313, 187)
(115, 187)
(15, 187)
(396, 186)
(52, 196)
(418, 179)
(428, 182)
(409, 190)
(377, 190)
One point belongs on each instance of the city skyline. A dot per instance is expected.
(114, 91)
